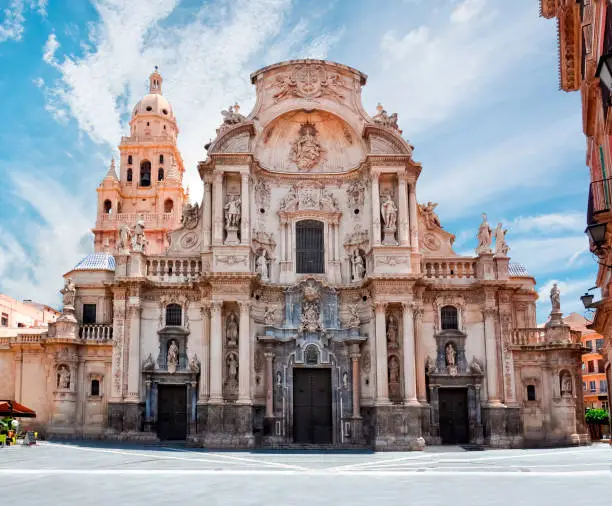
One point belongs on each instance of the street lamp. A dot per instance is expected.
(604, 70)
(597, 237)
(587, 300)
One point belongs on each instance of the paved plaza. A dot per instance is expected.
(122, 474)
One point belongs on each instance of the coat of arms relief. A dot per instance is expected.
(308, 81)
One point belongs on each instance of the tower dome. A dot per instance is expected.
(154, 102)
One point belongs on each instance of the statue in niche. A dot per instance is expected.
(69, 293)
(232, 116)
(125, 236)
(231, 330)
(138, 237)
(232, 212)
(394, 370)
(484, 237)
(431, 219)
(261, 265)
(345, 380)
(279, 379)
(566, 384)
(451, 355)
(555, 298)
(392, 332)
(306, 151)
(501, 247)
(388, 210)
(63, 377)
(148, 364)
(173, 357)
(358, 266)
(191, 215)
(232, 368)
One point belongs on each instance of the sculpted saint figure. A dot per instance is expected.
(69, 292)
(232, 367)
(307, 151)
(429, 216)
(190, 215)
(232, 212)
(566, 384)
(388, 210)
(394, 370)
(501, 247)
(261, 265)
(232, 330)
(138, 237)
(63, 377)
(451, 354)
(173, 356)
(392, 331)
(232, 116)
(125, 235)
(358, 266)
(555, 299)
(484, 237)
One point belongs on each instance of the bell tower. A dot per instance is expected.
(149, 185)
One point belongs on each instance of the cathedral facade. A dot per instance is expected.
(307, 299)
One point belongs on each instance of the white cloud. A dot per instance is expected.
(51, 46)
(543, 255)
(39, 82)
(12, 24)
(570, 290)
(467, 11)
(549, 223)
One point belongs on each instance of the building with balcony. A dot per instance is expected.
(308, 299)
(25, 314)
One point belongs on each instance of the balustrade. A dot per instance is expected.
(449, 269)
(528, 336)
(173, 269)
(96, 332)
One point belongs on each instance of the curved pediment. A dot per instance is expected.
(309, 141)
(233, 139)
(384, 141)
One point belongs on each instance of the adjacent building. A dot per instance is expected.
(307, 299)
(25, 314)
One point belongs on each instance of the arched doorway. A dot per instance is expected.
(310, 247)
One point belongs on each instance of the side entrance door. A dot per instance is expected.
(453, 416)
(172, 412)
(312, 406)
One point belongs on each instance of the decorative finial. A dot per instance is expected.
(379, 107)
(236, 107)
(113, 163)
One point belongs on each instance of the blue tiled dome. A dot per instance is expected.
(518, 270)
(96, 262)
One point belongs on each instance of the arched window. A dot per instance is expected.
(129, 159)
(161, 158)
(145, 173)
(174, 315)
(160, 174)
(168, 206)
(108, 206)
(129, 175)
(95, 387)
(309, 247)
(448, 317)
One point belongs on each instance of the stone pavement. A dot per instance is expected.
(122, 474)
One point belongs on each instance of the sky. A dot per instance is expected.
(474, 82)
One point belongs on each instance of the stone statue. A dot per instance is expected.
(279, 379)
(69, 293)
(173, 357)
(191, 215)
(231, 330)
(383, 119)
(388, 210)
(394, 370)
(430, 218)
(475, 366)
(148, 364)
(261, 265)
(306, 151)
(232, 212)
(451, 354)
(358, 266)
(232, 367)
(63, 377)
(484, 237)
(138, 237)
(566, 384)
(345, 380)
(430, 366)
(269, 315)
(555, 299)
(392, 337)
(501, 247)
(125, 236)
(232, 116)
(354, 320)
(194, 364)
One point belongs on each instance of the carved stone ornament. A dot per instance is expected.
(310, 320)
(353, 321)
(309, 81)
(173, 357)
(383, 119)
(306, 151)
(263, 194)
(149, 363)
(194, 364)
(356, 193)
(270, 315)
(191, 215)
(309, 196)
(263, 240)
(429, 217)
(358, 238)
(232, 116)
(231, 259)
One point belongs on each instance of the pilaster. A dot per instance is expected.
(216, 353)
(244, 354)
(382, 379)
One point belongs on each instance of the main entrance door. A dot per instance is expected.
(312, 406)
(172, 412)
(453, 415)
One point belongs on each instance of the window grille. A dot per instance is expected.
(174, 314)
(310, 247)
(448, 317)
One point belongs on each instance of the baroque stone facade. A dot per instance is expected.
(307, 299)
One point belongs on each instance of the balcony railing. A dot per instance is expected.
(528, 336)
(451, 268)
(151, 219)
(96, 332)
(600, 197)
(173, 270)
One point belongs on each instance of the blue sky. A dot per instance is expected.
(474, 83)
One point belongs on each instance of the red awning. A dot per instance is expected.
(14, 409)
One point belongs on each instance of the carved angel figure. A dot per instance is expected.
(383, 119)
(270, 315)
(125, 235)
(232, 116)
(69, 293)
(475, 366)
(429, 216)
(191, 214)
(501, 247)
(484, 237)
(138, 237)
(354, 320)
(388, 210)
(148, 364)
(194, 364)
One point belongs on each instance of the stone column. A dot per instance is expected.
(410, 389)
(412, 209)
(245, 222)
(375, 209)
(403, 235)
(491, 355)
(283, 241)
(205, 354)
(134, 310)
(269, 384)
(244, 354)
(382, 379)
(206, 216)
(216, 354)
(419, 355)
(217, 208)
(355, 362)
(82, 390)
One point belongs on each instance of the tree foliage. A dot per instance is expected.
(597, 416)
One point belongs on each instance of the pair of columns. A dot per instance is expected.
(216, 220)
(413, 363)
(407, 211)
(213, 357)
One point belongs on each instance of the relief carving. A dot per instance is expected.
(430, 218)
(191, 215)
(306, 197)
(308, 81)
(263, 194)
(356, 193)
(383, 119)
(306, 151)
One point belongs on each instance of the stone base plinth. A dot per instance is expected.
(227, 426)
(502, 426)
(232, 237)
(398, 428)
(389, 237)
